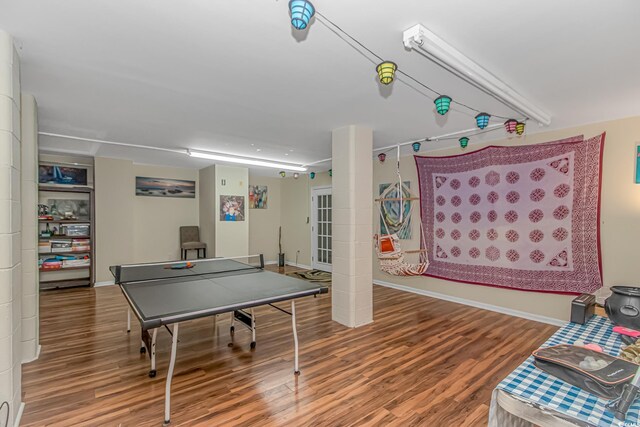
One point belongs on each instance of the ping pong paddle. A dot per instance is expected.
(180, 266)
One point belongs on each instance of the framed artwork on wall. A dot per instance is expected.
(164, 187)
(258, 197)
(231, 208)
(391, 210)
(62, 175)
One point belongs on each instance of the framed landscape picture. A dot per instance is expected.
(164, 187)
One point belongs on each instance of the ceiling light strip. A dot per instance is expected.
(441, 52)
(103, 141)
(244, 161)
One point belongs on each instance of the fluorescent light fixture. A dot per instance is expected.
(244, 161)
(442, 53)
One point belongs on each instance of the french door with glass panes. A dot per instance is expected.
(321, 253)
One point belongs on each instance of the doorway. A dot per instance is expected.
(321, 248)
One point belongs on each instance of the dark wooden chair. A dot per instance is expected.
(190, 241)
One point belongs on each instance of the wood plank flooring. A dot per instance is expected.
(423, 362)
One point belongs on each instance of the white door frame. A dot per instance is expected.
(321, 190)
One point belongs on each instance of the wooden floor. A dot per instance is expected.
(422, 362)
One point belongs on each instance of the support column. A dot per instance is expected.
(10, 227)
(30, 283)
(352, 193)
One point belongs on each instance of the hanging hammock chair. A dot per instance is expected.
(388, 248)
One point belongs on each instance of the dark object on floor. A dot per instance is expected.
(595, 372)
(623, 306)
(582, 308)
(312, 276)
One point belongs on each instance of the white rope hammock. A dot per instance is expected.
(390, 253)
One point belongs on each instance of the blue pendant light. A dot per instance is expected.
(312, 175)
(482, 120)
(464, 141)
(301, 13)
(416, 147)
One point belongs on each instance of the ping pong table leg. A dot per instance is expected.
(253, 329)
(296, 369)
(152, 372)
(232, 329)
(128, 320)
(172, 364)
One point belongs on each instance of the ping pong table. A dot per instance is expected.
(167, 293)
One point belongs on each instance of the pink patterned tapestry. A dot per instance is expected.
(524, 217)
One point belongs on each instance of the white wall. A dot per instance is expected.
(620, 213)
(114, 233)
(207, 206)
(133, 229)
(296, 216)
(157, 220)
(231, 237)
(263, 227)
(30, 279)
(10, 228)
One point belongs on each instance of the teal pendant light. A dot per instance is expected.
(482, 120)
(301, 13)
(464, 141)
(443, 102)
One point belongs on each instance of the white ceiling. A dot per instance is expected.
(233, 76)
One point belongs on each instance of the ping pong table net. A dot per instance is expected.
(184, 269)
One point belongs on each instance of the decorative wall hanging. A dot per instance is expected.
(62, 175)
(391, 211)
(524, 217)
(258, 196)
(165, 187)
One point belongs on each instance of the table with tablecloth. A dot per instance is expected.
(530, 396)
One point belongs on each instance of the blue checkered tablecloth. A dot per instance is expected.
(533, 385)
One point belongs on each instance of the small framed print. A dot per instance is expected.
(637, 162)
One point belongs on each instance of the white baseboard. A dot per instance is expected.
(19, 415)
(293, 264)
(484, 306)
(38, 350)
(105, 283)
(270, 262)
